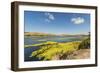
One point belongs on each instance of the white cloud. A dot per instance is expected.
(78, 20)
(47, 20)
(49, 16)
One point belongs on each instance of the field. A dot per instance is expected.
(49, 50)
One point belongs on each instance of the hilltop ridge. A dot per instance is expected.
(49, 34)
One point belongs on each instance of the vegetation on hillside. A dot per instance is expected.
(85, 44)
(49, 49)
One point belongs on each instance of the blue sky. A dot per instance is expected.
(56, 22)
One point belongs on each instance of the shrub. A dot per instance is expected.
(85, 44)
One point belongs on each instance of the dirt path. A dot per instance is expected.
(81, 54)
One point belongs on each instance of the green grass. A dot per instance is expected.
(46, 43)
(49, 49)
(26, 46)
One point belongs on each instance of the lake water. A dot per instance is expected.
(36, 40)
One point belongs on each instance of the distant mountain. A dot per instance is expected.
(74, 35)
(47, 34)
(38, 34)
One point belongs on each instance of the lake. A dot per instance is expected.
(29, 40)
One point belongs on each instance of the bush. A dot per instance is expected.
(85, 44)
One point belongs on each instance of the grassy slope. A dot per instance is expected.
(49, 49)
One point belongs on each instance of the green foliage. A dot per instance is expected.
(46, 43)
(49, 49)
(85, 44)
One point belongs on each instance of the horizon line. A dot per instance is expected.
(85, 33)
